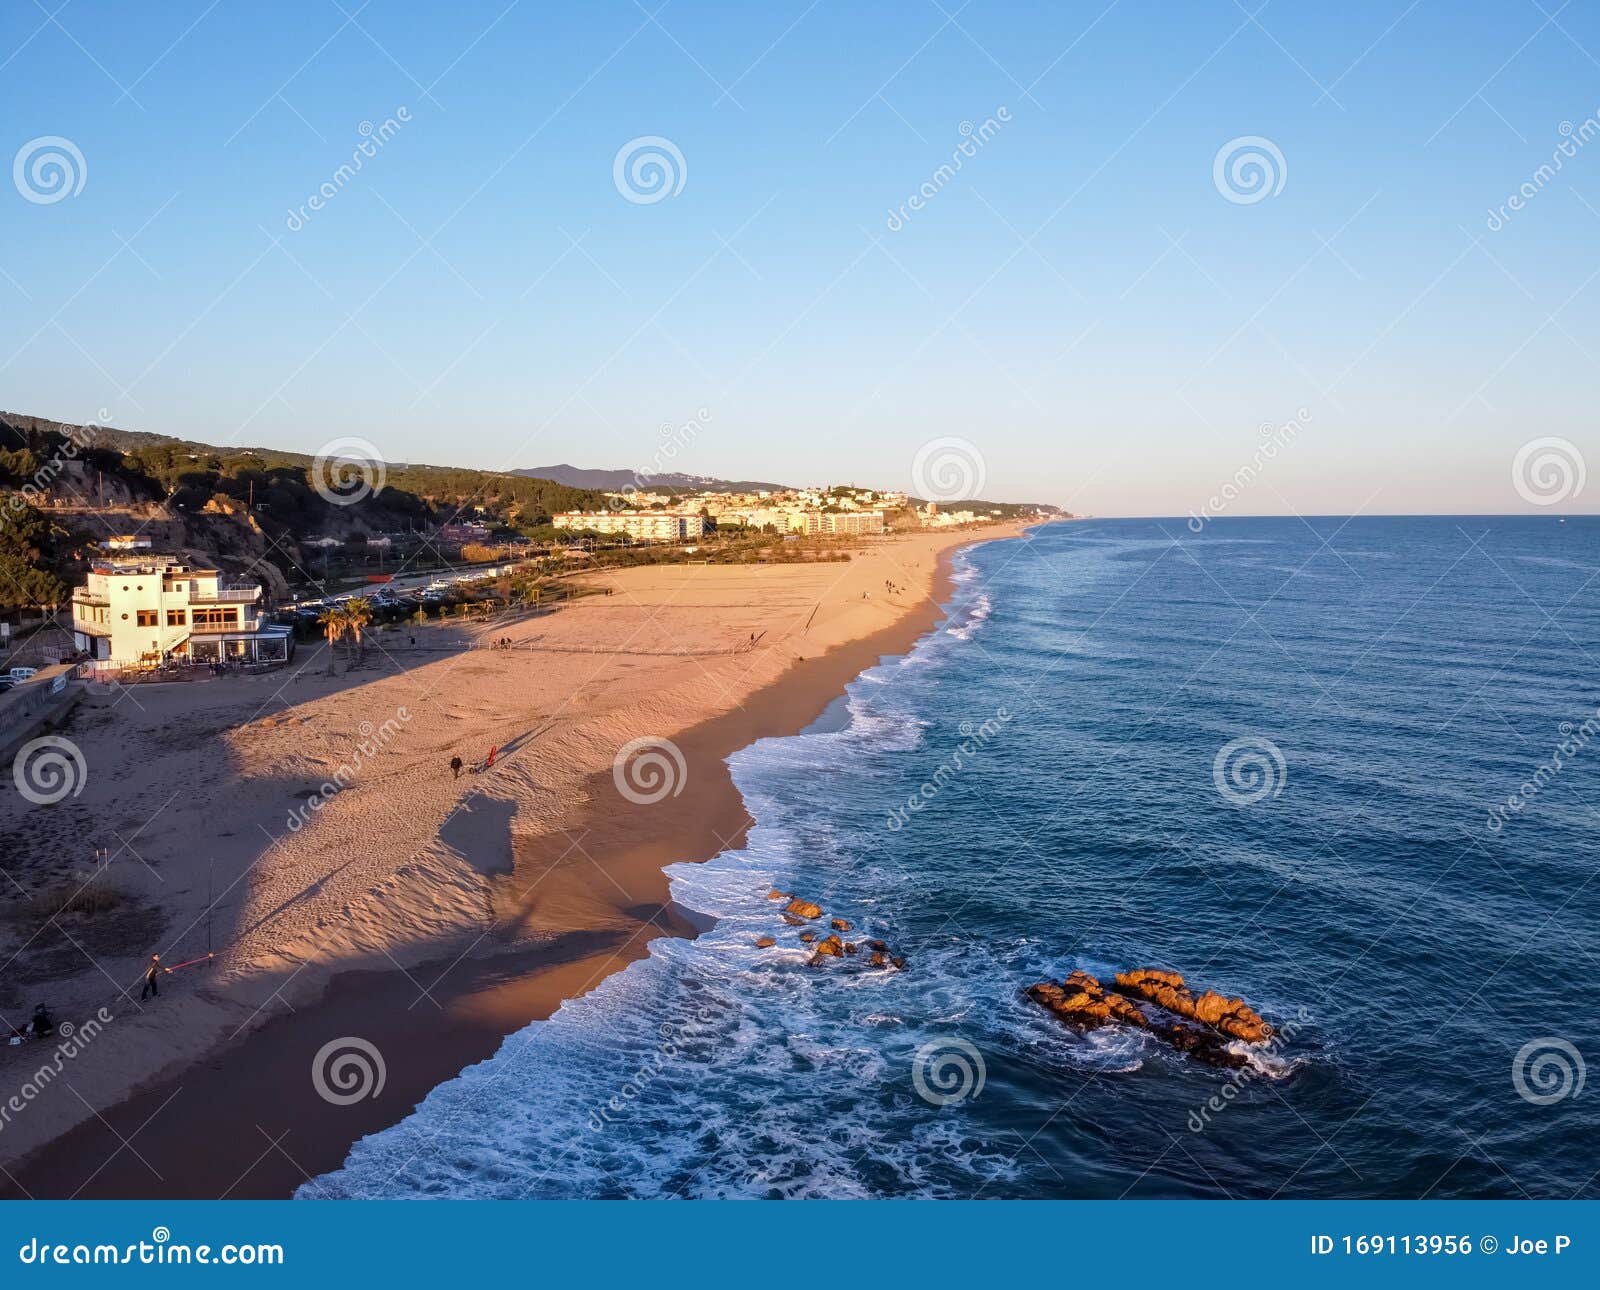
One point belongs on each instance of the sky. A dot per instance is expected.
(1094, 308)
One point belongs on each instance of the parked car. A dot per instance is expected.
(22, 673)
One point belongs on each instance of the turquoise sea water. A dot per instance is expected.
(1268, 755)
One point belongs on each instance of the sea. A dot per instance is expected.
(1347, 769)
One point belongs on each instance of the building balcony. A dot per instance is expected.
(221, 629)
(235, 593)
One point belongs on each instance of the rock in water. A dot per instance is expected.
(1167, 989)
(840, 924)
(803, 908)
(832, 946)
(1083, 1002)
(775, 894)
(765, 942)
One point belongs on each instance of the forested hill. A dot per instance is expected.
(195, 471)
(65, 487)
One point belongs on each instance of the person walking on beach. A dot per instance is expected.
(455, 768)
(489, 765)
(152, 978)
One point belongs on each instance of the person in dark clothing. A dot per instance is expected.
(43, 1024)
(152, 978)
(455, 768)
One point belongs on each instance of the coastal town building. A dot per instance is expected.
(138, 608)
(850, 522)
(462, 533)
(836, 522)
(643, 526)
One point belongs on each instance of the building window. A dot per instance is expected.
(215, 616)
(175, 618)
(148, 618)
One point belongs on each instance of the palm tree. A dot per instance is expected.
(357, 614)
(334, 625)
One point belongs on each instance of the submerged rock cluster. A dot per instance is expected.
(798, 912)
(1082, 1001)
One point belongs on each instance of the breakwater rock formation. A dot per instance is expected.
(1084, 1002)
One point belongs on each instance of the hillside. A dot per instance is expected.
(615, 481)
(67, 487)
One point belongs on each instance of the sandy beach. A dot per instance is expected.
(425, 914)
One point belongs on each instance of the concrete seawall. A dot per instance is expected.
(44, 700)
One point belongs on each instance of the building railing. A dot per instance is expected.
(238, 593)
(213, 629)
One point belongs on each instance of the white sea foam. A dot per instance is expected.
(975, 614)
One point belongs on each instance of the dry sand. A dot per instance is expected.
(450, 912)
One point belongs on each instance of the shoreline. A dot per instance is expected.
(249, 1122)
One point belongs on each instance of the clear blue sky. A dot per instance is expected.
(1080, 301)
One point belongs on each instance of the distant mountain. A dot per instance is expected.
(615, 481)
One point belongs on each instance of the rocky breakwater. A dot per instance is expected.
(1084, 1002)
(798, 912)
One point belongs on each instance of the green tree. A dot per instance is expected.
(26, 580)
(357, 615)
(334, 625)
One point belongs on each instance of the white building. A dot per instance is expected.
(836, 522)
(143, 609)
(647, 526)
